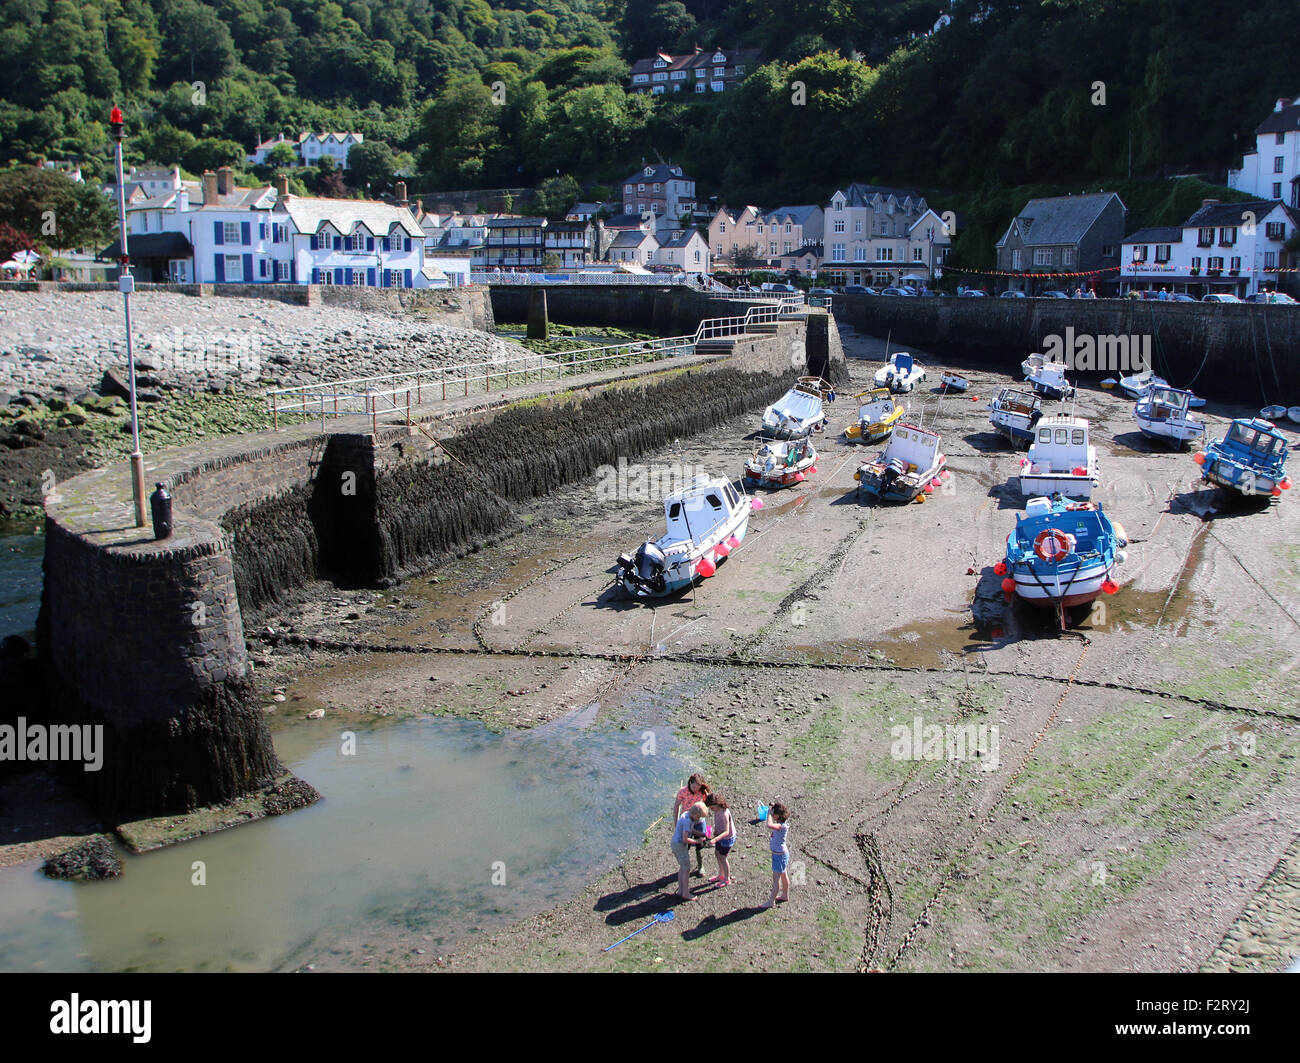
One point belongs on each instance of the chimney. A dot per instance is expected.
(401, 193)
(281, 185)
(1208, 202)
(209, 187)
(225, 181)
(182, 201)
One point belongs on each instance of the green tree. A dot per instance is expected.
(55, 210)
(282, 156)
(371, 166)
(556, 195)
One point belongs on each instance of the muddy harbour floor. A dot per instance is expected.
(1144, 787)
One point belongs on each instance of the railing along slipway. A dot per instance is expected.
(402, 392)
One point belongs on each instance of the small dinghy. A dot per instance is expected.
(1162, 414)
(706, 521)
(1293, 414)
(900, 373)
(910, 466)
(1250, 459)
(878, 412)
(1047, 377)
(1015, 414)
(1109, 383)
(1139, 384)
(1196, 402)
(1273, 413)
(953, 382)
(1061, 460)
(781, 463)
(799, 410)
(1061, 554)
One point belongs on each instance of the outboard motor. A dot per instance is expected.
(645, 570)
(892, 472)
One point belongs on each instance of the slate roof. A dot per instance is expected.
(625, 221)
(1230, 213)
(860, 195)
(244, 199)
(516, 223)
(1283, 121)
(151, 245)
(631, 238)
(798, 215)
(1059, 219)
(677, 238)
(309, 212)
(660, 171)
(1167, 235)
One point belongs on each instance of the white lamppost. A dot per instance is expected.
(126, 284)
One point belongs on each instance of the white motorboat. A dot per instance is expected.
(1061, 459)
(1047, 376)
(900, 373)
(706, 521)
(953, 382)
(799, 411)
(911, 465)
(1139, 384)
(1015, 413)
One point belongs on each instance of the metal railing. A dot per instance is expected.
(403, 392)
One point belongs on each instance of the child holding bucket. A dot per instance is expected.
(777, 822)
(724, 837)
(684, 839)
(695, 790)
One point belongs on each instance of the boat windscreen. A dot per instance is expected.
(1240, 433)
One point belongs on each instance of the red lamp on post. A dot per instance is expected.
(126, 285)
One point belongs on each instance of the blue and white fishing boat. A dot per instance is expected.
(1250, 459)
(1136, 385)
(1062, 554)
(706, 521)
(1014, 413)
(1162, 414)
(1047, 377)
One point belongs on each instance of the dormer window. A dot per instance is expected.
(660, 63)
(649, 171)
(719, 57)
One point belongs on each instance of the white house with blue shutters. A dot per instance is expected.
(356, 242)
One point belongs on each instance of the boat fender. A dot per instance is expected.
(1053, 544)
(1080, 471)
(1120, 557)
(1000, 569)
(1199, 457)
(1008, 585)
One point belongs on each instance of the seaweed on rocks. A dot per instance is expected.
(530, 451)
(88, 861)
(289, 795)
(275, 547)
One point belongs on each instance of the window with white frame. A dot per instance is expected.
(230, 232)
(661, 77)
(701, 87)
(857, 226)
(740, 70)
(282, 271)
(788, 247)
(234, 268)
(860, 253)
(701, 73)
(1163, 252)
(1234, 263)
(1277, 163)
(358, 278)
(1067, 256)
(394, 278)
(1227, 235)
(1139, 252)
(1017, 259)
(1270, 259)
(771, 247)
(839, 225)
(837, 252)
(1042, 256)
(640, 79)
(885, 254)
(1277, 190)
(789, 228)
(678, 75)
(918, 254)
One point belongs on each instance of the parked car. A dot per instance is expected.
(1273, 298)
(784, 289)
(859, 289)
(1052, 293)
(1219, 297)
(1012, 294)
(820, 291)
(974, 293)
(1181, 297)
(898, 291)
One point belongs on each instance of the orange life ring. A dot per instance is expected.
(1053, 544)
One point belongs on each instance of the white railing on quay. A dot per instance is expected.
(386, 393)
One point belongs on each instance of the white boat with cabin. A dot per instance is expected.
(1162, 414)
(1061, 459)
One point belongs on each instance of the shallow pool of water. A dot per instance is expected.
(21, 554)
(433, 827)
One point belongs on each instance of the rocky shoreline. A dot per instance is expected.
(201, 367)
